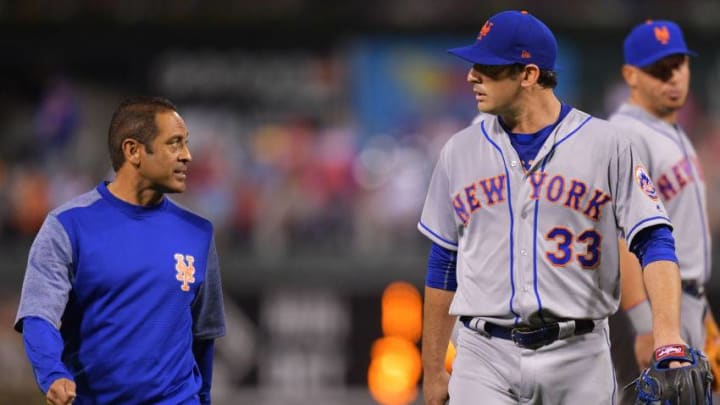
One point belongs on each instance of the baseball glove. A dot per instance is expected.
(659, 384)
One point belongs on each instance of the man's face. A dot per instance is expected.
(164, 169)
(663, 86)
(495, 87)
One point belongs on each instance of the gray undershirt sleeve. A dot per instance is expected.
(47, 283)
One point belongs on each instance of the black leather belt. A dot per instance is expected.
(694, 288)
(531, 338)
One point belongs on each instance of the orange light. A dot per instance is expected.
(394, 371)
(402, 311)
(450, 357)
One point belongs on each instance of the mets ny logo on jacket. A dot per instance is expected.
(185, 270)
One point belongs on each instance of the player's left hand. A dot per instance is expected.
(678, 375)
(661, 352)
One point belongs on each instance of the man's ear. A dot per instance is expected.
(630, 74)
(530, 75)
(131, 150)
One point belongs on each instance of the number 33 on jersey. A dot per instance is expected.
(563, 214)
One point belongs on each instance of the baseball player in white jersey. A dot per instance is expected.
(524, 210)
(658, 74)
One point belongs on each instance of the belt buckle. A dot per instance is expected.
(526, 337)
(534, 338)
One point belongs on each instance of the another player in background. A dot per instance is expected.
(523, 211)
(657, 71)
(122, 300)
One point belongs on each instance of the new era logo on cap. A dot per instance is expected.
(512, 37)
(653, 40)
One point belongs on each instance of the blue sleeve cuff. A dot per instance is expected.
(654, 244)
(204, 351)
(442, 266)
(44, 347)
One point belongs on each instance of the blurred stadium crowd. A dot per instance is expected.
(312, 146)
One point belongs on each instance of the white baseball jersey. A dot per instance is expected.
(674, 167)
(540, 244)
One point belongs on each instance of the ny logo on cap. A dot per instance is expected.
(185, 272)
(485, 30)
(662, 34)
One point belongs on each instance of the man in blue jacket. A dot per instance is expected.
(122, 297)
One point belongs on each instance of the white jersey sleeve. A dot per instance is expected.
(437, 221)
(636, 197)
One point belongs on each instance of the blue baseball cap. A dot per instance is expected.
(512, 37)
(653, 40)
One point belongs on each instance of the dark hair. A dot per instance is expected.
(135, 118)
(547, 79)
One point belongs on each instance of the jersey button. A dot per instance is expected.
(523, 252)
(514, 163)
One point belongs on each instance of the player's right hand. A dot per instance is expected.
(61, 392)
(435, 388)
(644, 349)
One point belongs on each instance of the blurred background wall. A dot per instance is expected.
(314, 126)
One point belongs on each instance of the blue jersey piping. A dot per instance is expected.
(632, 230)
(512, 222)
(436, 235)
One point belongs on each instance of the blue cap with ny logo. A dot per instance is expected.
(652, 40)
(512, 37)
